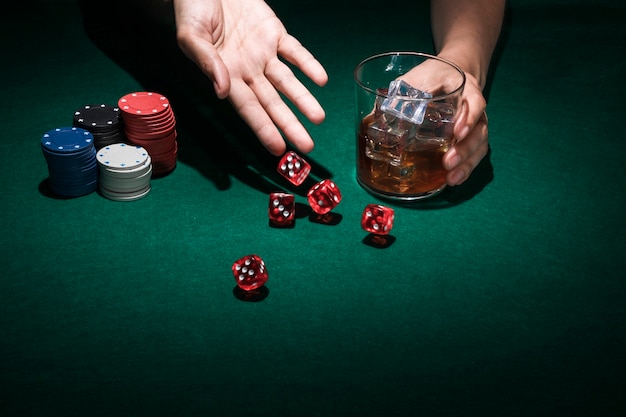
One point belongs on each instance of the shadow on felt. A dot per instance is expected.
(212, 137)
(452, 196)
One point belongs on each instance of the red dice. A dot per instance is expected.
(282, 209)
(324, 196)
(293, 167)
(250, 272)
(377, 219)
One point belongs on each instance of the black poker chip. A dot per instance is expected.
(103, 121)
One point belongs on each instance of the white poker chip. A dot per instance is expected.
(125, 172)
(120, 156)
(108, 171)
(111, 195)
(125, 184)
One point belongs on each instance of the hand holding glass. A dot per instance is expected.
(402, 136)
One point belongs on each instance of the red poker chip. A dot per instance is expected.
(163, 164)
(143, 103)
(131, 118)
(151, 130)
(165, 155)
(155, 137)
(156, 146)
(149, 122)
(141, 128)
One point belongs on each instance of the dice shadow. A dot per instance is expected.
(453, 196)
(379, 241)
(212, 137)
(328, 219)
(302, 210)
(277, 225)
(252, 296)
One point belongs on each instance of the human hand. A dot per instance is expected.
(239, 44)
(470, 130)
(471, 134)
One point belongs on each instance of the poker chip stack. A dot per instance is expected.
(149, 122)
(125, 172)
(71, 157)
(103, 121)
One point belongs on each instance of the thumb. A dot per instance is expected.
(206, 57)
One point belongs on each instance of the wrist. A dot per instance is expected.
(468, 62)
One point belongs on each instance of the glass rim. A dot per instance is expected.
(411, 53)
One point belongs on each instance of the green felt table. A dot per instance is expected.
(501, 297)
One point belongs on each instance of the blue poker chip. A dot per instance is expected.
(71, 157)
(67, 140)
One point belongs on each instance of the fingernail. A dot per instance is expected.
(463, 133)
(456, 177)
(453, 159)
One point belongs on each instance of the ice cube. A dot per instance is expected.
(402, 101)
(381, 145)
(445, 110)
(438, 120)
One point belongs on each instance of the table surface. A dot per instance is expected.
(503, 296)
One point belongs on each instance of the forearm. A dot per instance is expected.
(466, 32)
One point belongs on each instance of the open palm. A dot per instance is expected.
(240, 44)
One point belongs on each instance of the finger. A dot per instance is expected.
(462, 172)
(247, 105)
(473, 106)
(284, 80)
(292, 50)
(255, 103)
(281, 115)
(206, 57)
(463, 149)
(465, 155)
